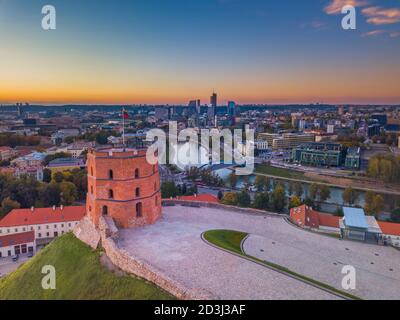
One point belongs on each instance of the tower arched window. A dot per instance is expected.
(91, 171)
(91, 189)
(111, 174)
(137, 173)
(137, 192)
(105, 211)
(139, 210)
(111, 194)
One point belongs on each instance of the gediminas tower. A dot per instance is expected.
(124, 186)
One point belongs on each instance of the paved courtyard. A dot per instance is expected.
(174, 245)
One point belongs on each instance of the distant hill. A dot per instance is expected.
(79, 275)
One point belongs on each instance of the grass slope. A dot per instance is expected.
(79, 275)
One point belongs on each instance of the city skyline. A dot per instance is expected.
(157, 52)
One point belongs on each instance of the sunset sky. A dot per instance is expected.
(172, 51)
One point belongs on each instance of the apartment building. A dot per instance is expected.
(286, 141)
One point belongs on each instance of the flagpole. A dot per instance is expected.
(123, 127)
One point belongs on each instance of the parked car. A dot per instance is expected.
(30, 254)
(15, 258)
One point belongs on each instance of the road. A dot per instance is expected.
(7, 265)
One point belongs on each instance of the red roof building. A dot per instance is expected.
(37, 216)
(15, 244)
(389, 228)
(305, 216)
(16, 239)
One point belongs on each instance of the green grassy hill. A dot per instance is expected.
(79, 275)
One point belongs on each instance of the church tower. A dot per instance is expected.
(123, 186)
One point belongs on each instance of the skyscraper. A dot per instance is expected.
(212, 109)
(214, 100)
(232, 108)
(195, 104)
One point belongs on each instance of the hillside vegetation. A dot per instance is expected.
(79, 276)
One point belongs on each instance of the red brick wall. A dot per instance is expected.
(122, 208)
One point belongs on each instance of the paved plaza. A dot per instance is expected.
(174, 245)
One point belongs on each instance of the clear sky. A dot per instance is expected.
(172, 51)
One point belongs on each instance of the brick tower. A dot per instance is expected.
(123, 186)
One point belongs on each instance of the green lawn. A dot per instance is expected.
(281, 172)
(231, 241)
(227, 239)
(79, 276)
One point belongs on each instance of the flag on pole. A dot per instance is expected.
(125, 114)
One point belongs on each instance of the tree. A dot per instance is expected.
(278, 198)
(349, 196)
(7, 205)
(374, 204)
(50, 195)
(309, 202)
(339, 212)
(169, 189)
(58, 177)
(324, 193)
(261, 183)
(230, 199)
(313, 191)
(243, 199)
(68, 193)
(395, 216)
(46, 175)
(290, 188)
(379, 204)
(384, 167)
(232, 180)
(261, 201)
(298, 189)
(295, 202)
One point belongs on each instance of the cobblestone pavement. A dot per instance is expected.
(323, 258)
(174, 246)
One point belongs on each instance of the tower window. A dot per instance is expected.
(91, 189)
(91, 171)
(139, 208)
(136, 173)
(105, 210)
(111, 175)
(111, 194)
(137, 192)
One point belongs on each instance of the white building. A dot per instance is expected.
(15, 244)
(46, 223)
